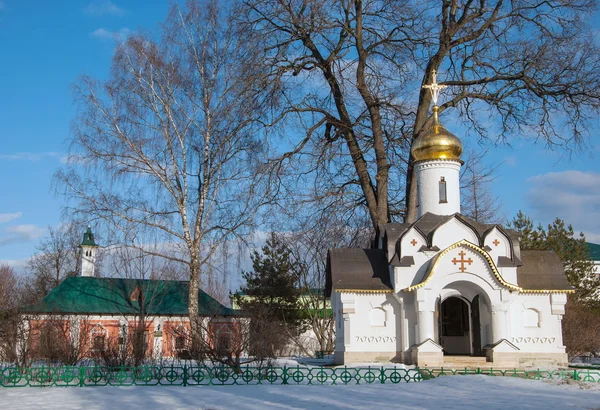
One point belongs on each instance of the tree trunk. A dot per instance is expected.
(193, 302)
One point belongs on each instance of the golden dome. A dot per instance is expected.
(436, 143)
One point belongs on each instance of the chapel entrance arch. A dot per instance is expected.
(463, 316)
(459, 326)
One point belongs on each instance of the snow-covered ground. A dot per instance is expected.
(449, 392)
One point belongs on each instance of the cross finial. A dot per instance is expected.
(435, 88)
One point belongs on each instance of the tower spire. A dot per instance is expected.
(87, 254)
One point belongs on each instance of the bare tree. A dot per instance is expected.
(478, 201)
(349, 74)
(253, 338)
(167, 142)
(309, 246)
(581, 326)
(15, 335)
(56, 257)
(58, 338)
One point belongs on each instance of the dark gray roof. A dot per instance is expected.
(357, 269)
(542, 270)
(394, 230)
(428, 223)
(506, 262)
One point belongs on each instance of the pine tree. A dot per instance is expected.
(273, 280)
(572, 250)
(271, 298)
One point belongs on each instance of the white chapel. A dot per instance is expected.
(445, 285)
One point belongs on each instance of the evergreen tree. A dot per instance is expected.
(271, 297)
(571, 248)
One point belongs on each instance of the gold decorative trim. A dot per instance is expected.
(476, 248)
(547, 291)
(364, 291)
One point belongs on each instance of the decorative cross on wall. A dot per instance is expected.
(496, 242)
(462, 261)
(413, 242)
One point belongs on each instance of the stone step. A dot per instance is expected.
(465, 361)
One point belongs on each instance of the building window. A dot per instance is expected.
(179, 342)
(98, 338)
(443, 193)
(223, 342)
(180, 339)
(98, 342)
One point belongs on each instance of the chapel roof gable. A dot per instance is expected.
(428, 223)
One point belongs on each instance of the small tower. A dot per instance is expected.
(87, 255)
(437, 165)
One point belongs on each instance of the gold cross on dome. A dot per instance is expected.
(435, 88)
(462, 261)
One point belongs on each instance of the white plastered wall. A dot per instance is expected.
(535, 321)
(429, 174)
(366, 322)
(453, 231)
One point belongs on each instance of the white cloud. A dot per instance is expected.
(105, 34)
(100, 8)
(573, 196)
(21, 233)
(10, 217)
(28, 156)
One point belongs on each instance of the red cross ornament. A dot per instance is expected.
(462, 261)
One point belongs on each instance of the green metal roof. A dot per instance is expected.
(594, 251)
(88, 238)
(112, 296)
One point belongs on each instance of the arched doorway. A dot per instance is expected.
(458, 317)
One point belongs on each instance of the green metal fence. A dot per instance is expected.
(186, 375)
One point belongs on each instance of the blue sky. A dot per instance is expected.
(46, 45)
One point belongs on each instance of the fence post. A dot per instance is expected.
(81, 376)
(284, 376)
(382, 376)
(575, 374)
(185, 375)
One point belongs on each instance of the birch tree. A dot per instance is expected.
(167, 143)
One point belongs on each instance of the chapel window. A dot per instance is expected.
(443, 193)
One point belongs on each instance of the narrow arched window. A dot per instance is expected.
(443, 196)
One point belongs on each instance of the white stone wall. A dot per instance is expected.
(429, 174)
(369, 322)
(87, 261)
(535, 323)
